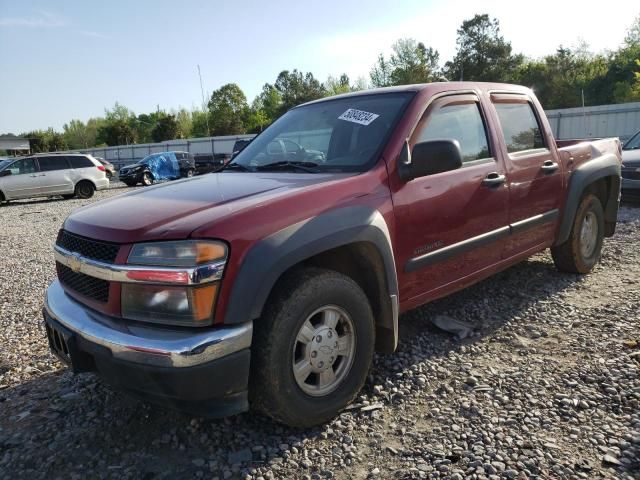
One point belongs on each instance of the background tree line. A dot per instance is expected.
(559, 80)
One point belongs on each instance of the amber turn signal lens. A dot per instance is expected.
(208, 252)
(203, 300)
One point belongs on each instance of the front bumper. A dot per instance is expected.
(130, 176)
(204, 372)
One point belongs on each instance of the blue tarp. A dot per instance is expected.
(163, 166)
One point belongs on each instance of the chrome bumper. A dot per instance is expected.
(145, 345)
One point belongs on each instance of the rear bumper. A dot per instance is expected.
(203, 372)
(102, 183)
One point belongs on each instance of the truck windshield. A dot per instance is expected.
(341, 135)
(633, 143)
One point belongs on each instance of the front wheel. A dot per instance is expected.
(581, 251)
(190, 173)
(312, 348)
(147, 179)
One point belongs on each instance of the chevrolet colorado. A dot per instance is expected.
(271, 283)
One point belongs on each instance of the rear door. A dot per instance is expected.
(451, 224)
(23, 181)
(56, 175)
(535, 176)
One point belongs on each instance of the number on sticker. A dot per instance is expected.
(358, 116)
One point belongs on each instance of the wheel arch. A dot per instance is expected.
(354, 241)
(84, 180)
(600, 176)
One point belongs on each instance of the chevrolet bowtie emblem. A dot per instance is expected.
(74, 262)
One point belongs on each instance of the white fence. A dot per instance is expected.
(621, 120)
(125, 154)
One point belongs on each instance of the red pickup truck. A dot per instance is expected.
(271, 283)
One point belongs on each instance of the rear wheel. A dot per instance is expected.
(581, 251)
(147, 179)
(312, 348)
(84, 189)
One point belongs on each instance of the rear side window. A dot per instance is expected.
(520, 127)
(461, 122)
(49, 164)
(80, 162)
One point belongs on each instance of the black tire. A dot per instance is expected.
(577, 255)
(84, 189)
(190, 173)
(274, 390)
(147, 179)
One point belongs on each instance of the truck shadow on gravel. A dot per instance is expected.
(91, 427)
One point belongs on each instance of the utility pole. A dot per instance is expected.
(203, 105)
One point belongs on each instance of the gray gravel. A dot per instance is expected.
(547, 386)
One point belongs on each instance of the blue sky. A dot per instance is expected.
(71, 59)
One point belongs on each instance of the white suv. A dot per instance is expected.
(47, 175)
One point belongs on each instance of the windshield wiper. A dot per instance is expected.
(306, 166)
(237, 166)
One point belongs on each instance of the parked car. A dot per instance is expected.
(631, 168)
(271, 283)
(209, 162)
(47, 175)
(109, 168)
(158, 166)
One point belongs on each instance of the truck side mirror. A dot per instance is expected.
(6, 172)
(428, 158)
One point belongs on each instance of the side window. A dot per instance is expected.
(26, 165)
(49, 164)
(520, 127)
(461, 122)
(79, 162)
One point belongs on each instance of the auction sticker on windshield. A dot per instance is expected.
(358, 116)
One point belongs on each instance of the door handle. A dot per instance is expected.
(549, 166)
(494, 179)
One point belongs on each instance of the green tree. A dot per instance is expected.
(199, 124)
(410, 62)
(269, 101)
(185, 123)
(483, 54)
(117, 132)
(166, 129)
(337, 86)
(296, 88)
(228, 108)
(38, 141)
(79, 135)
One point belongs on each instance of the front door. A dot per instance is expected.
(23, 181)
(535, 177)
(451, 224)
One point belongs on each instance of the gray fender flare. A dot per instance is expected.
(272, 256)
(607, 165)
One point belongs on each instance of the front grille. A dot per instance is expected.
(90, 287)
(102, 251)
(631, 173)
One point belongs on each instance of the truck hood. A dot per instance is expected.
(175, 209)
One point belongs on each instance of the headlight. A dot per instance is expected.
(187, 253)
(182, 290)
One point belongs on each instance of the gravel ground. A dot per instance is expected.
(547, 387)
